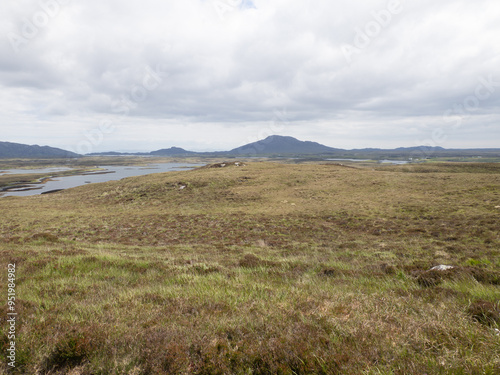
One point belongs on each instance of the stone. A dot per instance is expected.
(441, 267)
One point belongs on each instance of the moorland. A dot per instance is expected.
(259, 268)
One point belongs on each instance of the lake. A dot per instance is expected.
(109, 173)
(33, 171)
(399, 162)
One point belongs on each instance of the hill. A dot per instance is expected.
(173, 151)
(17, 150)
(277, 144)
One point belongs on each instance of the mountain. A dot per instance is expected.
(116, 153)
(274, 145)
(172, 151)
(277, 144)
(17, 150)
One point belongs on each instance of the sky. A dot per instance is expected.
(206, 75)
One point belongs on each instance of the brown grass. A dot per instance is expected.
(264, 268)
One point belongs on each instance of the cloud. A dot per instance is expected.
(225, 67)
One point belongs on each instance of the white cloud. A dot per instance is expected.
(213, 78)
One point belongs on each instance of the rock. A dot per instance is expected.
(224, 164)
(52, 191)
(441, 267)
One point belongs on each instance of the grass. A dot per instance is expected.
(265, 268)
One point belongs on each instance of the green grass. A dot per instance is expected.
(261, 269)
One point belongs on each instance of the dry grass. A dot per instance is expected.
(263, 268)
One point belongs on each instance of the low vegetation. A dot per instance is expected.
(260, 268)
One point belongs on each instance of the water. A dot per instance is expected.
(33, 171)
(113, 173)
(380, 161)
(348, 159)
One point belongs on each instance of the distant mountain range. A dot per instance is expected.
(272, 146)
(17, 150)
(277, 145)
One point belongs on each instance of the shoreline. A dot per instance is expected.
(26, 182)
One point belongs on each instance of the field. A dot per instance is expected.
(259, 268)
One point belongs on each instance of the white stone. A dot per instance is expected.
(441, 267)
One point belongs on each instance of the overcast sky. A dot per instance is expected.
(133, 75)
